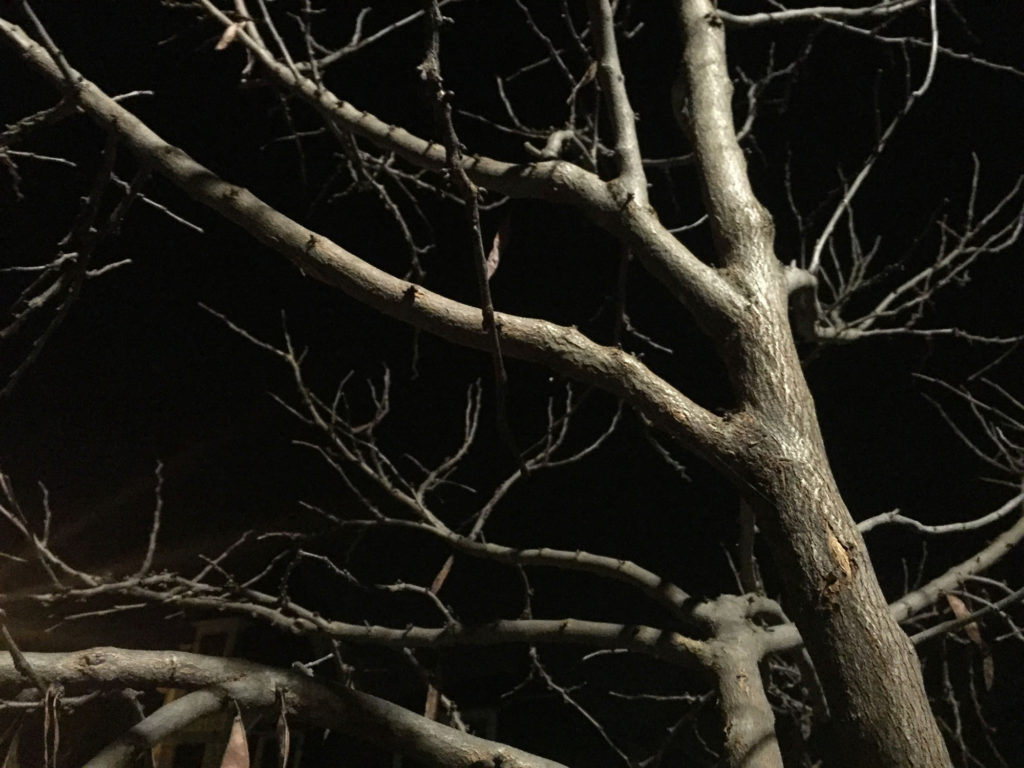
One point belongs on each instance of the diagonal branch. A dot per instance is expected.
(919, 599)
(441, 98)
(254, 686)
(786, 638)
(844, 205)
(698, 286)
(661, 591)
(561, 349)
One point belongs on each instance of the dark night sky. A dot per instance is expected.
(139, 372)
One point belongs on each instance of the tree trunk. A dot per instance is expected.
(868, 668)
(867, 665)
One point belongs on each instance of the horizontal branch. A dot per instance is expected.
(254, 686)
(663, 592)
(895, 518)
(659, 643)
(817, 13)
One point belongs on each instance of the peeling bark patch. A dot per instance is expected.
(840, 555)
(844, 569)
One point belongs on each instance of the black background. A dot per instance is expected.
(140, 373)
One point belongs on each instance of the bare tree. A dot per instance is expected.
(831, 653)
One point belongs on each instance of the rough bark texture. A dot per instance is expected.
(868, 668)
(861, 653)
(867, 665)
(749, 722)
(219, 681)
(770, 445)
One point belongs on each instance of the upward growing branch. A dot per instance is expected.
(613, 83)
(430, 70)
(738, 220)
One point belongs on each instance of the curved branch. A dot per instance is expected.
(894, 517)
(168, 720)
(561, 349)
(817, 13)
(697, 285)
(787, 637)
(659, 643)
(919, 599)
(663, 592)
(293, 618)
(367, 717)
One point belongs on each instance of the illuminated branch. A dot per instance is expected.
(254, 686)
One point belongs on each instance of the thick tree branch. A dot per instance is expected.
(561, 349)
(255, 686)
(749, 722)
(294, 619)
(698, 286)
(769, 445)
(741, 225)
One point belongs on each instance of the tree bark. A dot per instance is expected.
(867, 665)
(220, 681)
(735, 653)
(770, 445)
